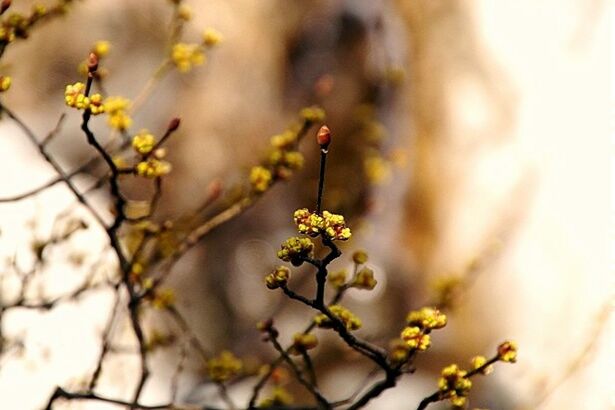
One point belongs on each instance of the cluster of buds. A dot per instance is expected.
(364, 279)
(285, 162)
(426, 318)
(152, 164)
(279, 277)
(312, 224)
(349, 319)
(415, 338)
(5, 83)
(454, 384)
(337, 279)
(163, 298)
(295, 250)
(117, 113)
(223, 367)
(153, 167)
(507, 352)
(74, 96)
(260, 179)
(398, 351)
(185, 56)
(144, 142)
(479, 362)
(302, 342)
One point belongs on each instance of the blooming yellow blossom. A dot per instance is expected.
(312, 224)
(455, 385)
(153, 168)
(143, 142)
(74, 97)
(337, 279)
(359, 257)
(295, 249)
(117, 111)
(185, 56)
(101, 48)
(223, 367)
(303, 342)
(478, 362)
(507, 352)
(5, 83)
(349, 319)
(260, 178)
(427, 318)
(211, 37)
(415, 338)
(184, 12)
(364, 279)
(398, 352)
(279, 277)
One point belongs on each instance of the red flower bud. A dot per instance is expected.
(323, 137)
(173, 125)
(92, 63)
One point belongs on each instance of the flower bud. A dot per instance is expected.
(92, 62)
(173, 124)
(323, 137)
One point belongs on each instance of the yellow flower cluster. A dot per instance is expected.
(479, 361)
(163, 298)
(398, 352)
(295, 249)
(303, 342)
(285, 162)
(5, 83)
(74, 97)
(117, 111)
(359, 257)
(415, 338)
(507, 352)
(364, 279)
(260, 178)
(279, 277)
(143, 142)
(101, 48)
(313, 114)
(427, 318)
(454, 383)
(349, 319)
(184, 12)
(223, 367)
(211, 37)
(285, 140)
(185, 56)
(153, 168)
(312, 224)
(337, 279)
(279, 397)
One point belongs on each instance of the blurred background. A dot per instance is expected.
(471, 146)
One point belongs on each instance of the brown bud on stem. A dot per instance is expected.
(92, 63)
(173, 124)
(323, 137)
